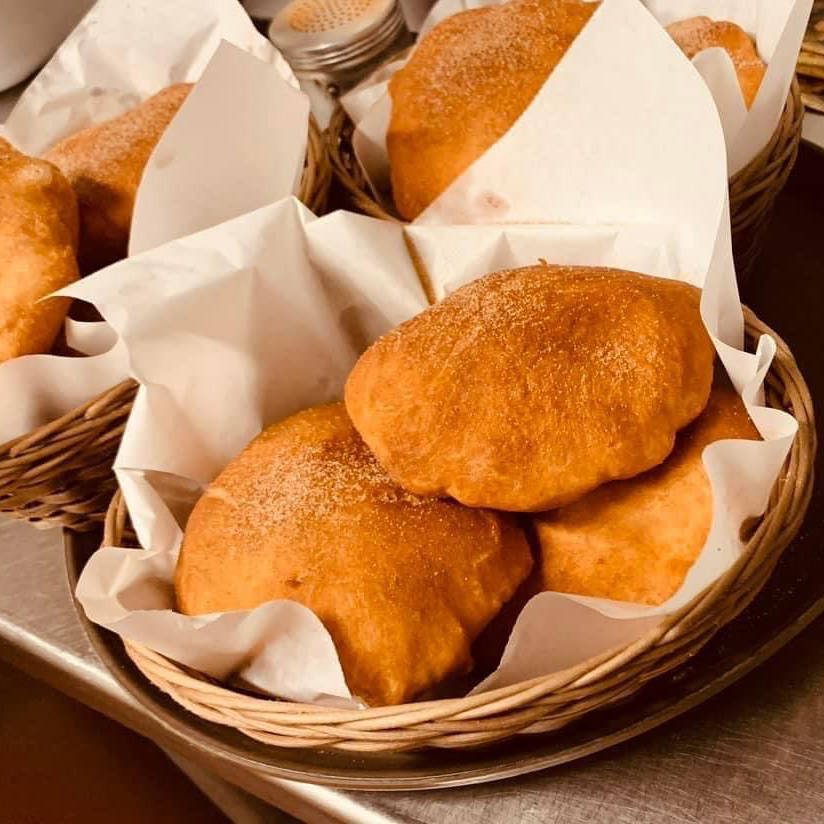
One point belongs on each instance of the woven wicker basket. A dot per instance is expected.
(317, 170)
(752, 190)
(811, 61)
(541, 704)
(61, 473)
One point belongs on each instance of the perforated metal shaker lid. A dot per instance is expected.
(335, 35)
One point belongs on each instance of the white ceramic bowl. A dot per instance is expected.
(30, 30)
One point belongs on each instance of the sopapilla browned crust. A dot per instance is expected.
(635, 540)
(403, 584)
(104, 163)
(469, 79)
(38, 241)
(528, 388)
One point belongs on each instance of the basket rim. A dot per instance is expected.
(97, 406)
(523, 705)
(316, 177)
(60, 473)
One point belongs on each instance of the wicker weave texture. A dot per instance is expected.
(60, 474)
(541, 704)
(752, 190)
(811, 61)
(317, 170)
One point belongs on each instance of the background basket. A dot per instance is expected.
(317, 170)
(752, 190)
(811, 61)
(348, 172)
(60, 474)
(540, 704)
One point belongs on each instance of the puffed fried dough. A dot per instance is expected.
(527, 388)
(469, 79)
(699, 33)
(403, 584)
(38, 239)
(104, 164)
(636, 540)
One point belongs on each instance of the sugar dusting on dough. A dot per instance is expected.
(402, 583)
(104, 165)
(527, 387)
(467, 82)
(118, 140)
(493, 47)
(318, 479)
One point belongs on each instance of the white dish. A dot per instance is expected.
(30, 30)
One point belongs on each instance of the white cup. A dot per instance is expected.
(30, 30)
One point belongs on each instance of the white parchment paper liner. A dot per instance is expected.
(237, 143)
(235, 327)
(777, 25)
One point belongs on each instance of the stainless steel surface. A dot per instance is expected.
(333, 36)
(40, 633)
